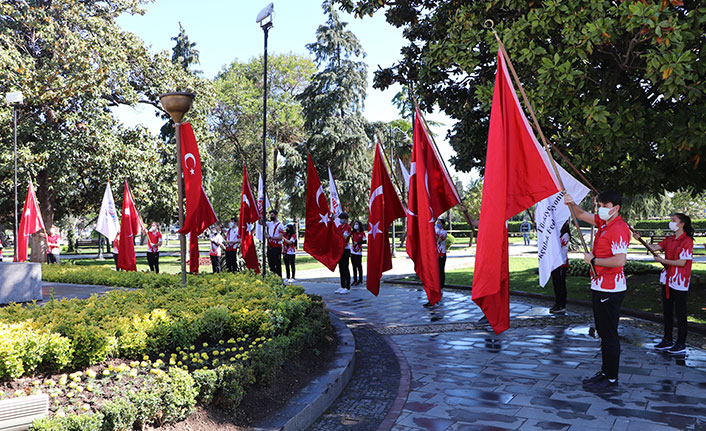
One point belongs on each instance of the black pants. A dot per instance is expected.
(442, 271)
(606, 312)
(153, 261)
(115, 258)
(232, 260)
(289, 264)
(676, 304)
(559, 282)
(357, 263)
(344, 270)
(216, 264)
(274, 259)
(52, 258)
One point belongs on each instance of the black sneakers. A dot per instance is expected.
(557, 310)
(677, 349)
(605, 384)
(664, 345)
(595, 378)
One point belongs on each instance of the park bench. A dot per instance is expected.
(656, 239)
(90, 242)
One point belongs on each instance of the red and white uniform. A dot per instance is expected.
(290, 248)
(357, 239)
(274, 230)
(154, 240)
(611, 239)
(232, 239)
(1, 251)
(216, 243)
(565, 239)
(116, 244)
(345, 230)
(53, 243)
(440, 241)
(677, 277)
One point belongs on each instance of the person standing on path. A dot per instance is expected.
(357, 241)
(525, 229)
(215, 252)
(675, 278)
(608, 285)
(1, 250)
(116, 248)
(345, 229)
(441, 236)
(275, 233)
(53, 245)
(559, 274)
(154, 241)
(289, 251)
(232, 244)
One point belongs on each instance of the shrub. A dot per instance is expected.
(147, 404)
(178, 394)
(214, 323)
(84, 422)
(118, 415)
(580, 268)
(24, 350)
(232, 381)
(206, 382)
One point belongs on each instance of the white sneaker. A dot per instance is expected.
(345, 291)
(338, 290)
(291, 280)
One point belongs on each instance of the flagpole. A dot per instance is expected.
(464, 210)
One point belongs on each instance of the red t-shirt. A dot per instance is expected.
(611, 239)
(116, 244)
(440, 241)
(232, 239)
(357, 239)
(345, 230)
(153, 239)
(677, 277)
(288, 248)
(274, 229)
(53, 243)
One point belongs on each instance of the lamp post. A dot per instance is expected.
(14, 99)
(264, 18)
(177, 104)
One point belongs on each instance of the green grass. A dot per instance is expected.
(643, 289)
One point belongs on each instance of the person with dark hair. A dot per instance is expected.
(274, 232)
(154, 241)
(608, 285)
(215, 251)
(441, 235)
(116, 249)
(289, 251)
(345, 229)
(675, 277)
(559, 274)
(357, 241)
(232, 243)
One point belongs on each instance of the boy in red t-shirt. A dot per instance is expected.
(345, 229)
(154, 241)
(357, 241)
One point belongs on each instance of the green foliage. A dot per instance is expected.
(118, 415)
(232, 382)
(25, 350)
(619, 87)
(178, 394)
(84, 422)
(147, 404)
(205, 381)
(663, 224)
(450, 240)
(581, 268)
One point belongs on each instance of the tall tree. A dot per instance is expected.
(332, 107)
(184, 52)
(620, 87)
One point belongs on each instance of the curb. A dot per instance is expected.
(313, 400)
(403, 389)
(699, 328)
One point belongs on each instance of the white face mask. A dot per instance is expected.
(231, 224)
(673, 226)
(154, 229)
(604, 213)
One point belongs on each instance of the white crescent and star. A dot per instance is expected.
(246, 200)
(319, 192)
(377, 192)
(324, 219)
(374, 229)
(188, 156)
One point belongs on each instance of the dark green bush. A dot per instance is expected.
(118, 415)
(580, 268)
(147, 404)
(178, 393)
(84, 422)
(232, 382)
(206, 382)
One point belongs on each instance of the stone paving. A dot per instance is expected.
(464, 377)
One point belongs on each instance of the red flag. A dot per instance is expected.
(383, 208)
(130, 225)
(30, 223)
(194, 253)
(249, 215)
(517, 175)
(321, 238)
(431, 193)
(199, 212)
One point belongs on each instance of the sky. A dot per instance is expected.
(225, 31)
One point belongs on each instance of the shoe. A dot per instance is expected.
(338, 290)
(291, 280)
(594, 378)
(428, 305)
(483, 320)
(677, 349)
(664, 345)
(345, 291)
(557, 310)
(602, 385)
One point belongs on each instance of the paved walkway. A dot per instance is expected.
(463, 377)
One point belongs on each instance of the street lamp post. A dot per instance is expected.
(264, 18)
(177, 104)
(14, 99)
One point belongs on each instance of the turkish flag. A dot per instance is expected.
(517, 175)
(431, 193)
(194, 255)
(321, 239)
(30, 223)
(384, 207)
(199, 212)
(130, 225)
(249, 215)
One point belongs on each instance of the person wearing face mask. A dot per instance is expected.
(275, 232)
(345, 229)
(232, 244)
(357, 241)
(608, 286)
(289, 251)
(675, 277)
(215, 252)
(154, 241)
(53, 245)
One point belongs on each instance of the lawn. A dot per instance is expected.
(643, 289)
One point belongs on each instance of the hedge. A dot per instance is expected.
(580, 268)
(663, 224)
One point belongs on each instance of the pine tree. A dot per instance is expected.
(184, 52)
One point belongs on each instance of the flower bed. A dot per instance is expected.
(154, 352)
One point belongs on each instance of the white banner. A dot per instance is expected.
(262, 200)
(551, 214)
(335, 205)
(108, 223)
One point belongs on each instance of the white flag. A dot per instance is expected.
(108, 223)
(405, 173)
(262, 200)
(550, 216)
(335, 204)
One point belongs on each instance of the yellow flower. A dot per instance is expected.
(205, 344)
(91, 374)
(220, 341)
(85, 407)
(106, 373)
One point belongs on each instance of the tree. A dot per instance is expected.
(619, 87)
(332, 109)
(184, 52)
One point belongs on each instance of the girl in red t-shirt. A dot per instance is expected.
(678, 254)
(289, 251)
(357, 241)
